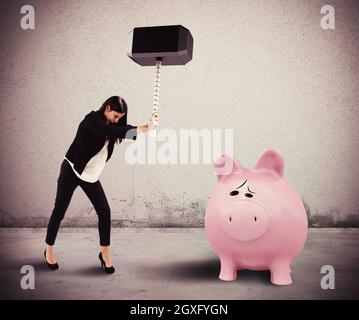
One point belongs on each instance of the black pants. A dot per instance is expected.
(66, 185)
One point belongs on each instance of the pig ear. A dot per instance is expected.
(272, 162)
(225, 166)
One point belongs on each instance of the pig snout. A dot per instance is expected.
(244, 221)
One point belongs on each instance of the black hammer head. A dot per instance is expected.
(171, 44)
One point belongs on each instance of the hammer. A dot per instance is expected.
(159, 46)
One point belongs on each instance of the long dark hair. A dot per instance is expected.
(118, 104)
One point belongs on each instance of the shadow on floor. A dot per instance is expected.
(208, 269)
(40, 266)
(90, 271)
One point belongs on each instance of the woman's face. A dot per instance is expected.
(112, 116)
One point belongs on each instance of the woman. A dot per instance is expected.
(84, 161)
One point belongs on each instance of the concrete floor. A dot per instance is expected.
(168, 264)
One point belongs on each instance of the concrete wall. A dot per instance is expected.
(266, 69)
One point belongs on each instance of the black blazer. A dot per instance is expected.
(91, 136)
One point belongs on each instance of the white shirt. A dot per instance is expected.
(95, 165)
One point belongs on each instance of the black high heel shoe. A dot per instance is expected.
(52, 266)
(108, 270)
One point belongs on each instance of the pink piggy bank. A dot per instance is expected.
(255, 219)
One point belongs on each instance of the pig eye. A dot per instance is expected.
(234, 193)
(248, 195)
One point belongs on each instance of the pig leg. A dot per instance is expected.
(228, 269)
(280, 273)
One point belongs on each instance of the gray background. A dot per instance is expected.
(263, 68)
